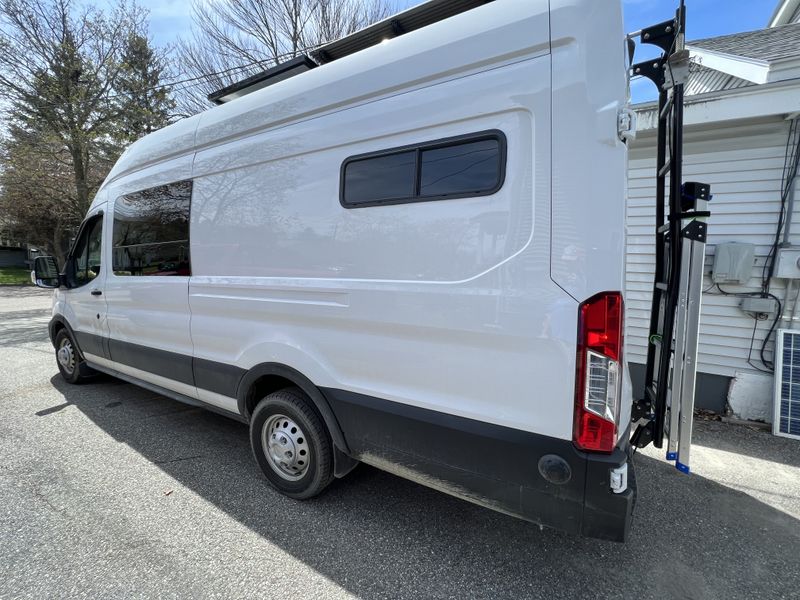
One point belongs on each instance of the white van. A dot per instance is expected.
(409, 256)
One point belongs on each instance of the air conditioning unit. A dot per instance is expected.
(786, 416)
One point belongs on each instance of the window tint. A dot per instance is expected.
(87, 252)
(381, 178)
(471, 165)
(151, 231)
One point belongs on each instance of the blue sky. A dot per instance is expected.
(170, 19)
(706, 18)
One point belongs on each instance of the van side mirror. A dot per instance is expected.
(45, 272)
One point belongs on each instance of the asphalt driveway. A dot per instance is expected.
(107, 490)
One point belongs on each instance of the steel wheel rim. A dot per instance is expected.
(66, 355)
(286, 447)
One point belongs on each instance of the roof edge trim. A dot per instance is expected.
(783, 13)
(753, 70)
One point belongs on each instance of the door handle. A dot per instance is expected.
(97, 293)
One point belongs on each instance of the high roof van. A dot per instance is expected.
(410, 256)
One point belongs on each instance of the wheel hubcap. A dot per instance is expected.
(66, 356)
(286, 447)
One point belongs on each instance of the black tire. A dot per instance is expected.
(304, 435)
(76, 370)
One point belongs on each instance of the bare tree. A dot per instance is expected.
(233, 39)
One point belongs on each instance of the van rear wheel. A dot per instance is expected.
(291, 444)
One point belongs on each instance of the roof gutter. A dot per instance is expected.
(749, 69)
(783, 12)
(754, 101)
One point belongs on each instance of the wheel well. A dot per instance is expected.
(264, 386)
(265, 378)
(57, 326)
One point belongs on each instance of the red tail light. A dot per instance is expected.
(599, 362)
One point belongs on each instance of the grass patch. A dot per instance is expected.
(14, 276)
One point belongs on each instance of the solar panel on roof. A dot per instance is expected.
(786, 418)
(409, 20)
(284, 70)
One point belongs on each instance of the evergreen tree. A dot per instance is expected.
(78, 84)
(145, 104)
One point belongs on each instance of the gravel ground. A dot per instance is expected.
(109, 491)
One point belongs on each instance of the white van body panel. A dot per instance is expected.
(313, 237)
(149, 310)
(588, 246)
(587, 251)
(160, 146)
(423, 296)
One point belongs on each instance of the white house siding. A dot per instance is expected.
(744, 165)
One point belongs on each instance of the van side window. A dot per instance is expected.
(151, 231)
(85, 264)
(380, 178)
(461, 167)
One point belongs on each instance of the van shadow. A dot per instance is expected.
(377, 535)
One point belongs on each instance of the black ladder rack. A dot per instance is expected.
(680, 235)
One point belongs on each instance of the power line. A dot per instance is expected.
(197, 80)
(201, 78)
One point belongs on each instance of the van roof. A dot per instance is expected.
(396, 25)
(356, 76)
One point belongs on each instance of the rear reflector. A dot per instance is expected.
(597, 385)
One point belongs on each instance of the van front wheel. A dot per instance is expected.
(69, 360)
(291, 444)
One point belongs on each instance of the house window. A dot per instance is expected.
(462, 167)
(151, 231)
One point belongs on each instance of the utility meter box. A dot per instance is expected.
(787, 263)
(733, 263)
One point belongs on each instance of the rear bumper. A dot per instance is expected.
(607, 515)
(594, 510)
